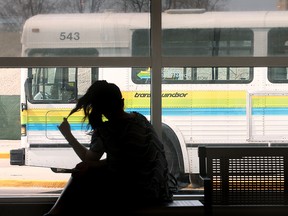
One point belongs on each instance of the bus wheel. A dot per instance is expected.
(172, 156)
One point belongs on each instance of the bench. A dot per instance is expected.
(244, 178)
(37, 206)
(177, 207)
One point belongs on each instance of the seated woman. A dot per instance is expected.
(134, 172)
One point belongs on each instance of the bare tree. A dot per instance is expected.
(208, 5)
(95, 5)
(144, 5)
(16, 12)
(133, 5)
(90, 6)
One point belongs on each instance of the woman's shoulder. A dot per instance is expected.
(129, 123)
(139, 118)
(136, 124)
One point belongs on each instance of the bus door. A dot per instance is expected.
(267, 114)
(50, 89)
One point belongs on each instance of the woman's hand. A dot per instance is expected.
(79, 149)
(65, 129)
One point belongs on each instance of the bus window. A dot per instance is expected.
(59, 85)
(278, 75)
(278, 46)
(141, 42)
(208, 42)
(141, 75)
(199, 75)
(52, 84)
(197, 42)
(278, 42)
(207, 75)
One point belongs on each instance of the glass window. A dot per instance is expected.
(207, 42)
(57, 85)
(195, 75)
(278, 42)
(141, 42)
(205, 82)
(278, 46)
(197, 42)
(278, 75)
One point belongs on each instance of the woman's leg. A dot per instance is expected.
(63, 199)
(83, 192)
(72, 198)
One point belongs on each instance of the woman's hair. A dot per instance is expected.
(100, 98)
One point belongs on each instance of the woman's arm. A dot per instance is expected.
(83, 153)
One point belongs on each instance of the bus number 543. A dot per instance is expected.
(69, 36)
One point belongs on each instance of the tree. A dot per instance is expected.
(14, 13)
(133, 5)
(208, 5)
(85, 6)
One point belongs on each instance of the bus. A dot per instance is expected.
(200, 105)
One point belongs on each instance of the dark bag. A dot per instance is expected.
(172, 183)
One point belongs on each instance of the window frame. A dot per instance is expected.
(156, 61)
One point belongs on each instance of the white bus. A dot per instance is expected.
(200, 105)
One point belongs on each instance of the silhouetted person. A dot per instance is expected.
(134, 172)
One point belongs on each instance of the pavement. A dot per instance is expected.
(26, 176)
(6, 145)
(14, 176)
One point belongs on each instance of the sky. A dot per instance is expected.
(236, 5)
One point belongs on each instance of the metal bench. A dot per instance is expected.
(244, 177)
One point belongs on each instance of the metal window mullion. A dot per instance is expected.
(15, 62)
(225, 61)
(156, 56)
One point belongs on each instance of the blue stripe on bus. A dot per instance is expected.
(195, 111)
(53, 127)
(176, 112)
(216, 111)
(270, 111)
